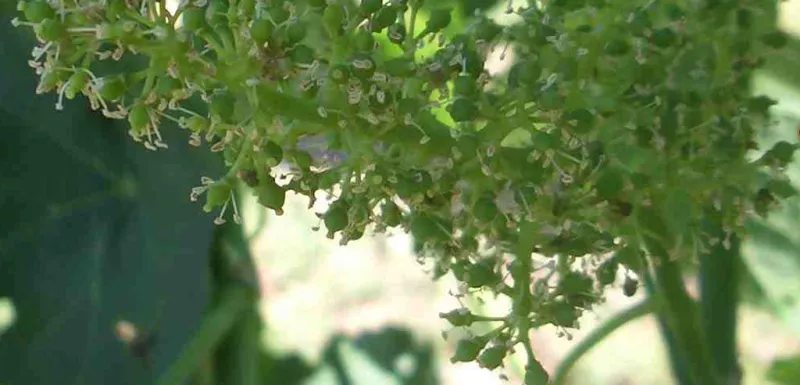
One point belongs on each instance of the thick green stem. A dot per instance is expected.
(237, 358)
(679, 312)
(677, 358)
(639, 310)
(410, 44)
(719, 296)
(215, 325)
(534, 372)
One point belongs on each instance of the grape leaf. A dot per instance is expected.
(96, 230)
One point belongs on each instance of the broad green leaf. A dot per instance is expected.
(96, 230)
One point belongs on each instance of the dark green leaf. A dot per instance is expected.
(97, 230)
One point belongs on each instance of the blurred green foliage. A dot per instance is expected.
(785, 371)
(91, 236)
(99, 230)
(772, 254)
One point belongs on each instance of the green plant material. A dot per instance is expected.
(295, 33)
(271, 195)
(364, 41)
(785, 371)
(336, 218)
(678, 357)
(222, 106)
(534, 372)
(139, 118)
(492, 357)
(468, 349)
(397, 33)
(681, 313)
(37, 11)
(769, 253)
(438, 20)
(261, 30)
(719, 290)
(599, 334)
(76, 83)
(374, 357)
(385, 17)
(215, 325)
(463, 110)
(459, 317)
(387, 346)
(624, 133)
(111, 88)
(332, 19)
(119, 218)
(771, 256)
(607, 273)
(217, 195)
(391, 214)
(52, 30)
(370, 6)
(194, 19)
(237, 355)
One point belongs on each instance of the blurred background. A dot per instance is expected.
(366, 313)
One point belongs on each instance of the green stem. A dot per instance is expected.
(166, 16)
(534, 372)
(637, 311)
(719, 297)
(244, 152)
(237, 358)
(677, 357)
(261, 224)
(214, 43)
(227, 42)
(205, 374)
(411, 41)
(679, 312)
(233, 301)
(139, 18)
(149, 83)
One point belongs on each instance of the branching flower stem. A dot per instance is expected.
(534, 372)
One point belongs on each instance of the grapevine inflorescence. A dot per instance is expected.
(632, 121)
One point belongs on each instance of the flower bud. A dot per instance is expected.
(217, 195)
(37, 11)
(468, 349)
(458, 317)
(492, 357)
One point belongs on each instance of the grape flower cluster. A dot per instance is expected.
(620, 126)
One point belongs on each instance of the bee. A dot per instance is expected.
(138, 342)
